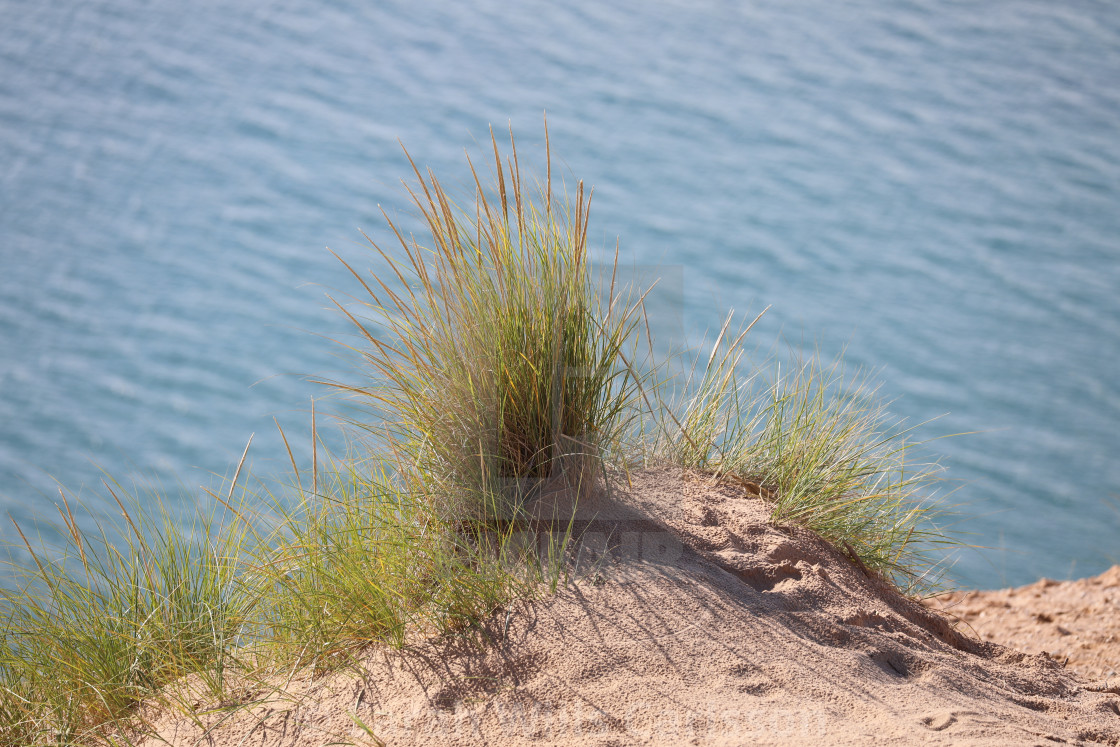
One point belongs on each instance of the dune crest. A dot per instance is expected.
(691, 620)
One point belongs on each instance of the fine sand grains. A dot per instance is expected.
(691, 620)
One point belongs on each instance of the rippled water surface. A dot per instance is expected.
(932, 187)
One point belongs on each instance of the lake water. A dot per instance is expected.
(931, 187)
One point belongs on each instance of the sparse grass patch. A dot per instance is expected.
(817, 444)
(116, 616)
(336, 578)
(368, 561)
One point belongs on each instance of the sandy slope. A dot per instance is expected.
(703, 625)
(1076, 623)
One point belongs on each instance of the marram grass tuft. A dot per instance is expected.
(503, 365)
(115, 616)
(815, 442)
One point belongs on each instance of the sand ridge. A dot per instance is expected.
(691, 620)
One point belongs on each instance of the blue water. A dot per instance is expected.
(931, 187)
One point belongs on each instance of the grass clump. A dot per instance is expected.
(119, 614)
(339, 575)
(817, 445)
(495, 370)
(504, 364)
(365, 561)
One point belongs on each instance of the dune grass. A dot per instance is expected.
(367, 561)
(503, 367)
(498, 363)
(494, 369)
(119, 614)
(815, 442)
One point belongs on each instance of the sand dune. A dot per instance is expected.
(691, 620)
